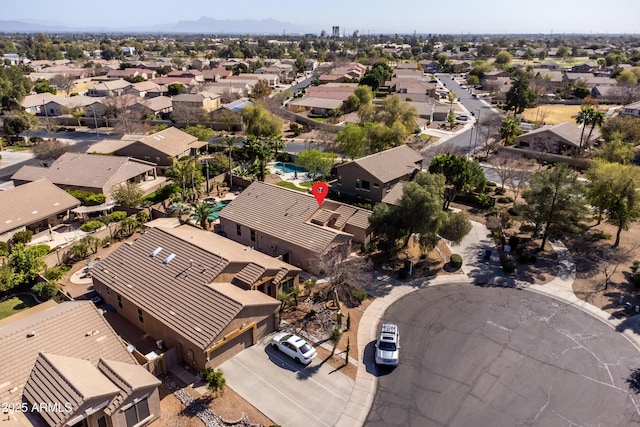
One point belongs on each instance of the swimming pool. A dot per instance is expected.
(289, 167)
(216, 209)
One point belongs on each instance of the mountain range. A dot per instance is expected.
(203, 25)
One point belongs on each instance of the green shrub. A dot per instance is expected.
(455, 261)
(336, 334)
(215, 379)
(491, 184)
(40, 250)
(4, 248)
(46, 290)
(360, 293)
(91, 226)
(23, 236)
(56, 273)
(508, 265)
(86, 198)
(603, 236)
(505, 200)
(499, 191)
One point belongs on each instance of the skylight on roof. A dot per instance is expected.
(168, 259)
(155, 252)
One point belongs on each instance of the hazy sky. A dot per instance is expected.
(389, 16)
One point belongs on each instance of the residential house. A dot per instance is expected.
(194, 290)
(162, 148)
(315, 107)
(160, 106)
(587, 67)
(289, 224)
(229, 116)
(205, 101)
(339, 91)
(272, 79)
(61, 105)
(563, 139)
(608, 94)
(10, 59)
(146, 89)
(34, 206)
(67, 358)
(632, 110)
(34, 104)
(216, 74)
(589, 79)
(549, 65)
(370, 178)
(185, 81)
(109, 88)
(230, 88)
(87, 172)
(196, 75)
(129, 73)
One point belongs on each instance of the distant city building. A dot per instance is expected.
(335, 31)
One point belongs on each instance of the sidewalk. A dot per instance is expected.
(391, 290)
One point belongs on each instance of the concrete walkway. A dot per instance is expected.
(476, 270)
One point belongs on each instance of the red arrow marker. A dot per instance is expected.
(320, 191)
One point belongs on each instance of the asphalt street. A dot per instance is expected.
(503, 357)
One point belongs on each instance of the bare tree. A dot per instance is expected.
(63, 82)
(489, 132)
(344, 275)
(50, 150)
(518, 177)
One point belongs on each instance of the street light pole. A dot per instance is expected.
(95, 122)
(475, 141)
(470, 141)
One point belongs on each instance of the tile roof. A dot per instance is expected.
(250, 273)
(86, 170)
(282, 213)
(64, 380)
(73, 329)
(393, 196)
(171, 141)
(177, 291)
(313, 102)
(389, 164)
(31, 203)
(129, 379)
(569, 132)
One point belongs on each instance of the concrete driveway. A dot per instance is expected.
(285, 391)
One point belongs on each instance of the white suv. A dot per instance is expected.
(388, 345)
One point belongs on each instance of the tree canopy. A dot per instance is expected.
(520, 96)
(316, 162)
(260, 123)
(461, 174)
(554, 203)
(614, 191)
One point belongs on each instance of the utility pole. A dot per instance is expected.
(475, 141)
(470, 141)
(206, 167)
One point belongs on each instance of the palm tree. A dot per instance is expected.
(451, 96)
(188, 173)
(584, 118)
(509, 129)
(597, 119)
(179, 209)
(276, 143)
(263, 155)
(229, 141)
(202, 211)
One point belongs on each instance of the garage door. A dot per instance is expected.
(231, 348)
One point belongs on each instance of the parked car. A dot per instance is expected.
(388, 345)
(462, 117)
(294, 347)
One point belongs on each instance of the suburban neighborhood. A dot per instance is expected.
(333, 229)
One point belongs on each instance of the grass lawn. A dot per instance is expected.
(290, 185)
(307, 183)
(553, 114)
(15, 305)
(320, 119)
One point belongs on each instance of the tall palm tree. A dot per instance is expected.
(202, 211)
(229, 141)
(584, 118)
(263, 155)
(597, 119)
(509, 129)
(276, 143)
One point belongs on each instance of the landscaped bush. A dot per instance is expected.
(505, 200)
(4, 248)
(46, 290)
(86, 198)
(455, 261)
(603, 236)
(113, 217)
(23, 236)
(56, 273)
(635, 273)
(40, 250)
(215, 379)
(500, 191)
(360, 293)
(517, 209)
(508, 265)
(491, 184)
(91, 226)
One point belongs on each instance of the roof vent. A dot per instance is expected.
(168, 259)
(155, 252)
(31, 334)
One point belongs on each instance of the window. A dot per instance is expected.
(365, 185)
(140, 316)
(238, 229)
(287, 285)
(137, 412)
(358, 184)
(102, 421)
(119, 301)
(253, 235)
(108, 290)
